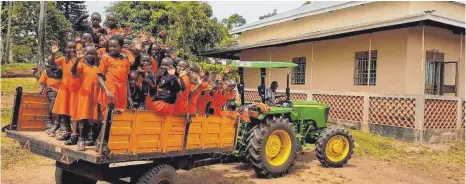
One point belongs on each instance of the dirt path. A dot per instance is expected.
(307, 170)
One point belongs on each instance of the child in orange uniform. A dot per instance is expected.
(88, 110)
(181, 104)
(49, 83)
(205, 97)
(167, 88)
(62, 106)
(113, 29)
(195, 80)
(113, 74)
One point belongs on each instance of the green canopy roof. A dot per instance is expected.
(262, 64)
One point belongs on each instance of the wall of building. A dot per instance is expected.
(454, 10)
(330, 63)
(446, 42)
(349, 16)
(339, 18)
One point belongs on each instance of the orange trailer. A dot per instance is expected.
(163, 143)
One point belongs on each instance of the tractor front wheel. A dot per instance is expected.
(272, 147)
(334, 147)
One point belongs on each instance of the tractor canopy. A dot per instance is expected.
(262, 64)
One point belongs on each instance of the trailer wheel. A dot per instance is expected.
(161, 174)
(67, 177)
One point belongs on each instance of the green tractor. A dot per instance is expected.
(274, 135)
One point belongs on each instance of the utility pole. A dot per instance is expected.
(8, 34)
(41, 36)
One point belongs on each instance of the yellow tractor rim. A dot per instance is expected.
(278, 147)
(337, 148)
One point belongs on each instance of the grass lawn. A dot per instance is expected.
(17, 70)
(438, 158)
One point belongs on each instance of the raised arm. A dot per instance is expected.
(74, 68)
(55, 49)
(77, 25)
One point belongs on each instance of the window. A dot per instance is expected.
(299, 72)
(365, 72)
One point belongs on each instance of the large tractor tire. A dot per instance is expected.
(334, 147)
(161, 174)
(66, 177)
(272, 148)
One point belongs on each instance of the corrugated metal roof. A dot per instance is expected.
(314, 8)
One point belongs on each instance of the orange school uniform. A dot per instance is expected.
(86, 105)
(195, 96)
(62, 102)
(155, 65)
(115, 31)
(181, 104)
(219, 101)
(103, 51)
(116, 72)
(51, 83)
(202, 102)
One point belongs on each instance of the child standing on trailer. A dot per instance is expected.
(49, 83)
(113, 74)
(181, 104)
(113, 29)
(62, 106)
(167, 88)
(86, 104)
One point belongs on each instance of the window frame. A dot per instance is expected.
(365, 71)
(298, 77)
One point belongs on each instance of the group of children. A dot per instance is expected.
(101, 67)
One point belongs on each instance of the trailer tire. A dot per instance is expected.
(161, 174)
(66, 177)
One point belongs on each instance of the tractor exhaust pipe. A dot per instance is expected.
(288, 86)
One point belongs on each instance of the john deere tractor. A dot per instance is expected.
(273, 135)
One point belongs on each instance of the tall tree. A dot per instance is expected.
(72, 9)
(233, 21)
(268, 15)
(190, 26)
(24, 29)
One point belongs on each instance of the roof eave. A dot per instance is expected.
(316, 12)
(423, 16)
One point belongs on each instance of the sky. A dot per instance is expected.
(250, 10)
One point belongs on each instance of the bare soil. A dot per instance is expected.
(307, 169)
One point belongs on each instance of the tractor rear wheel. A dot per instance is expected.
(272, 148)
(334, 147)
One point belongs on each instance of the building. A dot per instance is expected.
(392, 68)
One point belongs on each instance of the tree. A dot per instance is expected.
(306, 3)
(268, 15)
(233, 21)
(72, 9)
(190, 26)
(24, 29)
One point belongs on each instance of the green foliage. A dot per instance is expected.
(268, 15)
(72, 9)
(17, 70)
(234, 21)
(306, 3)
(24, 28)
(189, 26)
